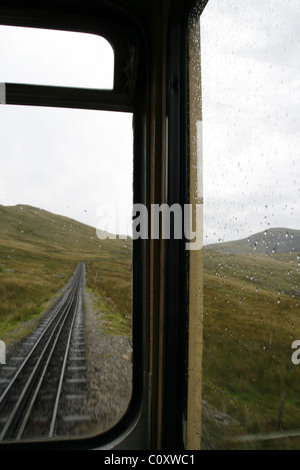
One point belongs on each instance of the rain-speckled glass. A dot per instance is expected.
(250, 73)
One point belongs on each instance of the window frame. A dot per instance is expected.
(155, 87)
(125, 40)
(180, 341)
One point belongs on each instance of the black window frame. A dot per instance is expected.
(177, 259)
(122, 33)
(130, 94)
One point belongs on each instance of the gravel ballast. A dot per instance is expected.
(108, 373)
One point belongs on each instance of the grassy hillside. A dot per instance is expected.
(251, 318)
(251, 311)
(38, 253)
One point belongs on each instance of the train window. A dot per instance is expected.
(65, 249)
(49, 57)
(250, 95)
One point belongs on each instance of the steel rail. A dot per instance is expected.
(20, 413)
(62, 374)
(52, 341)
(31, 352)
(31, 382)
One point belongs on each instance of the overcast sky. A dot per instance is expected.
(251, 116)
(70, 161)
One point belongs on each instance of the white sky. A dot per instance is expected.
(251, 119)
(67, 161)
(70, 161)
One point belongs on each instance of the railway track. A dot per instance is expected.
(39, 387)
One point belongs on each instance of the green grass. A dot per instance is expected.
(39, 251)
(113, 321)
(251, 313)
(251, 318)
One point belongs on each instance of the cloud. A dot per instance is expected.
(251, 86)
(46, 57)
(67, 161)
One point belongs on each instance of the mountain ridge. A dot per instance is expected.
(28, 224)
(274, 240)
(39, 251)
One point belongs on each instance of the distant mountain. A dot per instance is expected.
(271, 241)
(26, 224)
(39, 251)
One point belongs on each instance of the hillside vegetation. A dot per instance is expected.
(39, 252)
(251, 312)
(251, 318)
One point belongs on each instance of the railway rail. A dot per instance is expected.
(36, 388)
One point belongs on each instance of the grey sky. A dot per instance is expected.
(251, 119)
(67, 161)
(70, 161)
(30, 55)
